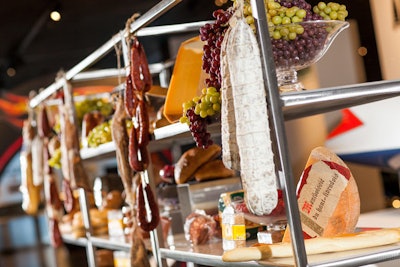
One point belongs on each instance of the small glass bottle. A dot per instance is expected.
(273, 234)
(233, 228)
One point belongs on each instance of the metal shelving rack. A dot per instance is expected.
(282, 107)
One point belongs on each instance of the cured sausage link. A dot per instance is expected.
(144, 223)
(129, 97)
(134, 161)
(142, 118)
(140, 73)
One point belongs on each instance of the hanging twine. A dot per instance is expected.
(118, 52)
(128, 27)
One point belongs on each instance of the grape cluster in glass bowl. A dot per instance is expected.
(308, 47)
(298, 31)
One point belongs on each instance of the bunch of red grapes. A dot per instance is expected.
(212, 35)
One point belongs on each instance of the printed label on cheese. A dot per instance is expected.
(320, 189)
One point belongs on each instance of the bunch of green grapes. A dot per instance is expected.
(286, 12)
(331, 11)
(101, 134)
(89, 105)
(280, 20)
(278, 15)
(208, 104)
(198, 112)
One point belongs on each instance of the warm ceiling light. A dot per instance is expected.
(55, 15)
(396, 203)
(11, 72)
(362, 51)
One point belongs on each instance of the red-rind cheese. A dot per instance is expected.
(328, 197)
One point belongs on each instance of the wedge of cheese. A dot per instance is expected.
(328, 197)
(187, 78)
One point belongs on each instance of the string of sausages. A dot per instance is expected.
(139, 82)
(54, 204)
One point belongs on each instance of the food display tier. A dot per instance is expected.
(178, 248)
(295, 105)
(210, 254)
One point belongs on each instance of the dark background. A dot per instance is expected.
(37, 48)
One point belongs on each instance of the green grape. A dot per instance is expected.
(290, 12)
(299, 29)
(301, 13)
(342, 14)
(203, 113)
(292, 36)
(342, 8)
(271, 5)
(217, 107)
(296, 19)
(286, 20)
(276, 35)
(214, 99)
(321, 5)
(333, 15)
(249, 20)
(210, 111)
(276, 20)
(327, 10)
(197, 109)
(334, 6)
(188, 105)
(284, 31)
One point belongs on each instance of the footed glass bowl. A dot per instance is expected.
(296, 46)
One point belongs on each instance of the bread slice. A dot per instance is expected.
(212, 170)
(192, 160)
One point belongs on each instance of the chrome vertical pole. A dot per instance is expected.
(278, 133)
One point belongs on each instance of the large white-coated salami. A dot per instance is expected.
(252, 126)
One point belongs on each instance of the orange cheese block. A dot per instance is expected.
(328, 197)
(187, 78)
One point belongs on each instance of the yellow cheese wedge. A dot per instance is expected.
(187, 78)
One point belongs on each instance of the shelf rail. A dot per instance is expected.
(312, 102)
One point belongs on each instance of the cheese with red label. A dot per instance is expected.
(328, 198)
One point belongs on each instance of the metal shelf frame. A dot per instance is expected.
(281, 107)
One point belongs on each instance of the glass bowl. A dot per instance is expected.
(298, 45)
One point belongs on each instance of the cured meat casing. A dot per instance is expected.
(252, 125)
(230, 150)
